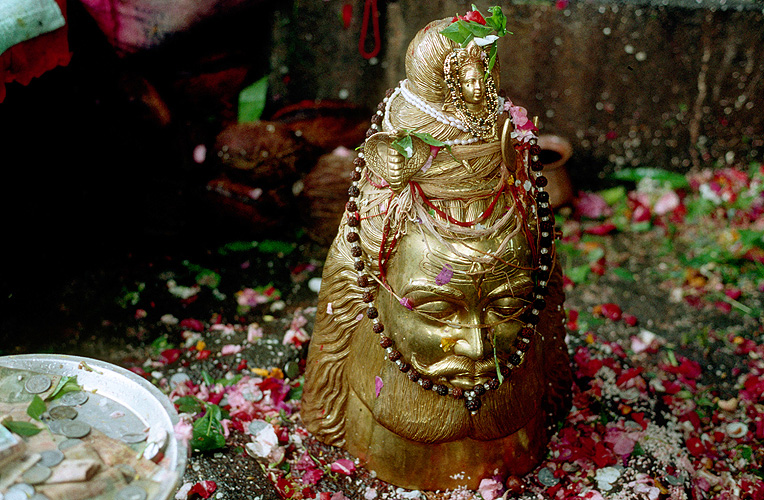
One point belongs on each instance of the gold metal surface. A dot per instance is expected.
(461, 213)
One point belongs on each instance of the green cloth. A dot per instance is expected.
(22, 20)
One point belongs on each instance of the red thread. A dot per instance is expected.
(375, 20)
(450, 219)
(347, 14)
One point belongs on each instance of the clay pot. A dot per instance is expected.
(324, 194)
(555, 153)
(326, 124)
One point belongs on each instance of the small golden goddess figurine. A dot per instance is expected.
(438, 356)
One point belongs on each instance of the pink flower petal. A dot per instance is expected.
(378, 385)
(445, 275)
(666, 203)
(312, 476)
(490, 489)
(592, 206)
(406, 302)
(229, 349)
(343, 466)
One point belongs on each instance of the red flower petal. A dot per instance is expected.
(695, 445)
(192, 324)
(204, 489)
(169, 356)
(602, 229)
(611, 311)
(474, 15)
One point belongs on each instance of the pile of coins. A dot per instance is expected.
(77, 456)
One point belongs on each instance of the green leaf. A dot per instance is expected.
(207, 431)
(207, 378)
(160, 344)
(478, 30)
(22, 428)
(36, 408)
(672, 179)
(404, 145)
(595, 254)
(641, 227)
(208, 278)
(431, 141)
(277, 247)
(428, 139)
(499, 376)
(65, 384)
(638, 450)
(751, 238)
(624, 274)
(295, 393)
(497, 21)
(579, 274)
(252, 101)
(237, 246)
(189, 404)
(492, 59)
(458, 32)
(613, 195)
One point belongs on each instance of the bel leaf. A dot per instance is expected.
(36, 407)
(65, 384)
(188, 404)
(208, 431)
(22, 428)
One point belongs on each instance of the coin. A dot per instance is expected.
(36, 474)
(37, 384)
(178, 379)
(134, 437)
(63, 413)
(131, 492)
(546, 477)
(128, 472)
(51, 458)
(16, 495)
(74, 428)
(25, 489)
(75, 398)
(55, 426)
(68, 443)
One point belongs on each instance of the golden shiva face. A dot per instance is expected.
(473, 84)
(464, 320)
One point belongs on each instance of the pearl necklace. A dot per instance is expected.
(422, 105)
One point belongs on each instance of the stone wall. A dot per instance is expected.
(673, 84)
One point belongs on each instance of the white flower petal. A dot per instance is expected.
(488, 40)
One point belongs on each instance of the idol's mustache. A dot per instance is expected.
(455, 366)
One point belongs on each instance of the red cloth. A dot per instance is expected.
(31, 58)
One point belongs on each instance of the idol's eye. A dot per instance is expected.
(437, 308)
(507, 307)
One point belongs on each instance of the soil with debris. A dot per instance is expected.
(665, 315)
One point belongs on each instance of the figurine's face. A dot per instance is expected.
(473, 84)
(470, 316)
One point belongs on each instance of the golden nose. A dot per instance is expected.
(471, 342)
